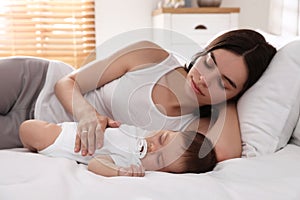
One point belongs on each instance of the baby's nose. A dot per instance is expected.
(149, 147)
(152, 147)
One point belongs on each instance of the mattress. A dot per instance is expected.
(26, 175)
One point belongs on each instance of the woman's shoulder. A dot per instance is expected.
(145, 53)
(150, 50)
(146, 44)
(200, 125)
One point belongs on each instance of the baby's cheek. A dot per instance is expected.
(149, 163)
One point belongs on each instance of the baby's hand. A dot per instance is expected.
(133, 170)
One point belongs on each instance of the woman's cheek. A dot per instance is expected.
(217, 95)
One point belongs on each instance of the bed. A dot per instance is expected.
(26, 175)
(268, 169)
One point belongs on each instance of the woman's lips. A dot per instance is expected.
(196, 88)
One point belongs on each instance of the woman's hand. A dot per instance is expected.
(133, 170)
(90, 132)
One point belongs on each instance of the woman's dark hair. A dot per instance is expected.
(249, 44)
(199, 155)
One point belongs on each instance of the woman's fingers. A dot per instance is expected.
(103, 122)
(84, 142)
(91, 141)
(99, 136)
(77, 143)
(91, 134)
(99, 131)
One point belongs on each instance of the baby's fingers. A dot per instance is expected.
(133, 170)
(141, 171)
(137, 170)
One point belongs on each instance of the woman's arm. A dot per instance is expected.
(71, 88)
(98, 73)
(105, 166)
(225, 133)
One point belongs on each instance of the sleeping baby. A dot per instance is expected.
(126, 151)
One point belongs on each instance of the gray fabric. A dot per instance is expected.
(21, 80)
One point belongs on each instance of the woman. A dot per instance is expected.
(230, 64)
(109, 91)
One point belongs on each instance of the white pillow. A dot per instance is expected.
(296, 134)
(269, 110)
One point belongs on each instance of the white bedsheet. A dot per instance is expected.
(25, 175)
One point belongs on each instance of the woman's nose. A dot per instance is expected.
(203, 81)
(207, 79)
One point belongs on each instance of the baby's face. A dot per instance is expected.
(164, 147)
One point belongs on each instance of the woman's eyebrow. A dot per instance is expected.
(227, 78)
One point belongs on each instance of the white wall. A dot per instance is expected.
(117, 16)
(254, 13)
(284, 17)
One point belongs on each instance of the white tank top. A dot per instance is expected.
(48, 107)
(127, 99)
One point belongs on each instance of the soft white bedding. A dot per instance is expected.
(272, 176)
(26, 175)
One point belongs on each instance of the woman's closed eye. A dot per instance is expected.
(209, 62)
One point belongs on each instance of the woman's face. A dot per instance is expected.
(217, 76)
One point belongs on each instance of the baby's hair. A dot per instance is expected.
(199, 155)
